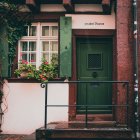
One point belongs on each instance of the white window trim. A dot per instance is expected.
(38, 39)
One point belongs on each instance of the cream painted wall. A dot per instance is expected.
(78, 7)
(88, 7)
(25, 102)
(84, 21)
(52, 8)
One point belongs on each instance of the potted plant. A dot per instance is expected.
(44, 73)
(47, 71)
(25, 70)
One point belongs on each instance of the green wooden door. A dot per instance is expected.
(94, 63)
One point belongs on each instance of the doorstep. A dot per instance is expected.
(62, 130)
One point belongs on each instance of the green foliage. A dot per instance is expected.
(45, 72)
(25, 67)
(15, 23)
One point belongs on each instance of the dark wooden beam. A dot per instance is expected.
(33, 5)
(86, 1)
(106, 5)
(60, 1)
(68, 6)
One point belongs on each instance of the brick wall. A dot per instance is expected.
(124, 49)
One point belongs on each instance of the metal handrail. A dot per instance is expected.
(45, 85)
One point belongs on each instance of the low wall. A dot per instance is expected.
(26, 101)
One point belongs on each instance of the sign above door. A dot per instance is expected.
(82, 21)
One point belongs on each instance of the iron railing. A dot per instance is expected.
(125, 104)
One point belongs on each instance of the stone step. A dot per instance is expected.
(91, 124)
(93, 133)
(94, 117)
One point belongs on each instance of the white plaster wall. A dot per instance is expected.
(26, 102)
(78, 7)
(58, 95)
(88, 8)
(52, 8)
(86, 21)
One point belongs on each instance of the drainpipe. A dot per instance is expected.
(136, 126)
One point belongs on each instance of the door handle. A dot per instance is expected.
(94, 74)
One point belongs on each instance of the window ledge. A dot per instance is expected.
(22, 80)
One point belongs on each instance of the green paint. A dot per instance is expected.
(100, 70)
(65, 46)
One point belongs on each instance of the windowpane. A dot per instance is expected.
(32, 31)
(55, 58)
(45, 30)
(24, 56)
(54, 30)
(45, 46)
(24, 46)
(32, 57)
(54, 46)
(46, 56)
(54, 55)
(32, 46)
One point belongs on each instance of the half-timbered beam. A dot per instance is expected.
(106, 5)
(68, 5)
(33, 5)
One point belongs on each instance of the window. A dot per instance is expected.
(40, 41)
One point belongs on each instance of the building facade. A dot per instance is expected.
(95, 47)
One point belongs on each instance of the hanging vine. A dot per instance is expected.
(15, 23)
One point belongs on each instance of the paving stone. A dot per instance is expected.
(17, 137)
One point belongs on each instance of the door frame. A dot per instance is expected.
(89, 33)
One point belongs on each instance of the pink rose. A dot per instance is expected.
(44, 79)
(46, 63)
(24, 62)
(41, 75)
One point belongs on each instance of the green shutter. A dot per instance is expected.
(3, 52)
(65, 46)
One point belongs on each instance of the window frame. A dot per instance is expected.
(39, 39)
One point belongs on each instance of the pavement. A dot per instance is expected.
(17, 137)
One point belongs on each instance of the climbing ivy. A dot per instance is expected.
(15, 22)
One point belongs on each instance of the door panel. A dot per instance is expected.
(94, 63)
